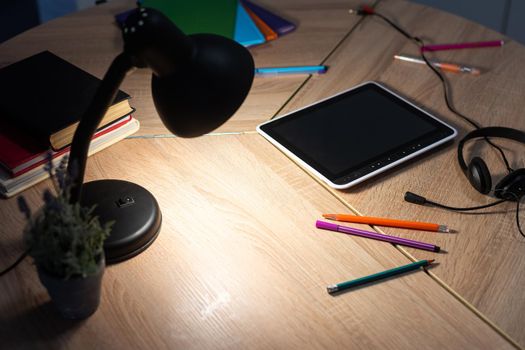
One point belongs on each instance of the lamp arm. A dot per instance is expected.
(89, 122)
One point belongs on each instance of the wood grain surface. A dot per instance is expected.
(238, 264)
(485, 259)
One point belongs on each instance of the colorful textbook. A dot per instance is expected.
(245, 22)
(266, 30)
(275, 22)
(199, 16)
(246, 32)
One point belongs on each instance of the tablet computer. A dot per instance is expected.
(356, 134)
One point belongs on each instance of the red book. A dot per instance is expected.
(19, 152)
(35, 170)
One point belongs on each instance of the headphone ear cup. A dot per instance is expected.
(479, 175)
(512, 186)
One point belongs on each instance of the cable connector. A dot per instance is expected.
(363, 10)
(414, 198)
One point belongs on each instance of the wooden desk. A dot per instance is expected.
(238, 263)
(486, 257)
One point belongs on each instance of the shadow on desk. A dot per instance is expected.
(27, 328)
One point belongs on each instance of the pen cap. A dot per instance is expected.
(326, 225)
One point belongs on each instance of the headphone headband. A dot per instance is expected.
(493, 131)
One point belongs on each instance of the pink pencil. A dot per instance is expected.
(462, 45)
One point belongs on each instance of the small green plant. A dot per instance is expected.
(65, 239)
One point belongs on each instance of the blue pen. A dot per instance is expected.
(291, 70)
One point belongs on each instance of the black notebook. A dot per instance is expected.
(46, 96)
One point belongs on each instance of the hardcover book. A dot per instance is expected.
(19, 153)
(45, 97)
(10, 186)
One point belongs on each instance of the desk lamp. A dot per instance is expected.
(198, 82)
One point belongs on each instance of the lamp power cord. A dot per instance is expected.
(14, 264)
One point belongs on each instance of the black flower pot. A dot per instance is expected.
(77, 297)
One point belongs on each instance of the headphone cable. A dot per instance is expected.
(366, 10)
(518, 200)
(420, 200)
(518, 215)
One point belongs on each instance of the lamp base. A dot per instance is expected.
(134, 210)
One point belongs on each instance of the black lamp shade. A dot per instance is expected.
(206, 92)
(199, 80)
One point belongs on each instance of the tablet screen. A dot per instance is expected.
(357, 132)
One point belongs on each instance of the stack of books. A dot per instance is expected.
(42, 99)
(241, 20)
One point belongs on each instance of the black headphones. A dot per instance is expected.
(512, 186)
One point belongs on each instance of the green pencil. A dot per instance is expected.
(377, 276)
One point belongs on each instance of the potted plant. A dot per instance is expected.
(66, 243)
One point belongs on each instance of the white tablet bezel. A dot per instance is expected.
(371, 174)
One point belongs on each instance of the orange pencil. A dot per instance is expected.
(449, 67)
(425, 226)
